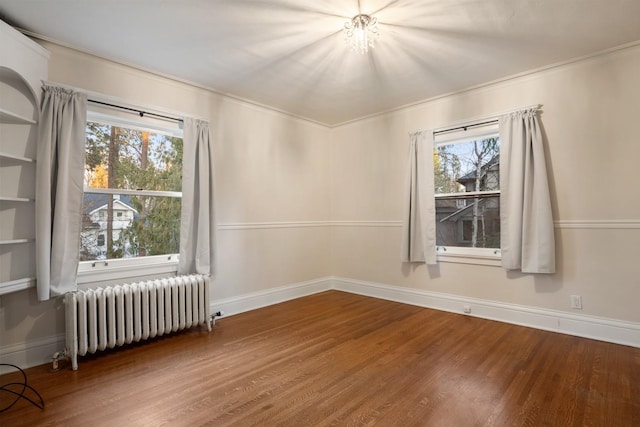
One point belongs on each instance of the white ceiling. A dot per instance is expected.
(291, 55)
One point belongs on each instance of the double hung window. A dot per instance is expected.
(132, 195)
(467, 192)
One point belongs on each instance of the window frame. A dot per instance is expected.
(129, 268)
(461, 254)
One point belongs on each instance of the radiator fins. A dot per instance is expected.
(104, 318)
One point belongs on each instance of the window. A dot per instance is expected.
(132, 194)
(467, 192)
(465, 230)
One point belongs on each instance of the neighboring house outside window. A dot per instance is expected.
(132, 197)
(467, 192)
(93, 237)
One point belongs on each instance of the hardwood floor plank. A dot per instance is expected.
(336, 359)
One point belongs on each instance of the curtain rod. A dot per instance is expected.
(134, 110)
(465, 127)
(488, 119)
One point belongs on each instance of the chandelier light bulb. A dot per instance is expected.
(361, 32)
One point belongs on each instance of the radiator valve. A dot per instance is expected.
(55, 362)
(57, 359)
(216, 314)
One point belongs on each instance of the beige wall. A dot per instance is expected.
(270, 168)
(589, 115)
(280, 180)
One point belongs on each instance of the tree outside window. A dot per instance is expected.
(467, 189)
(132, 199)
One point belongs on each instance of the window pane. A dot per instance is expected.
(467, 166)
(468, 222)
(121, 158)
(122, 226)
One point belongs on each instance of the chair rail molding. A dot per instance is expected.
(599, 224)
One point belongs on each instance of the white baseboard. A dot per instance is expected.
(255, 300)
(31, 353)
(38, 352)
(614, 331)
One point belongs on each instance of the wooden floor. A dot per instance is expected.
(337, 359)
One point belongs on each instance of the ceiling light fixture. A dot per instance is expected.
(361, 32)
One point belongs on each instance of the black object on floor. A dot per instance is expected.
(22, 387)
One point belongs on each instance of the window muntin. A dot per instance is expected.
(132, 198)
(467, 193)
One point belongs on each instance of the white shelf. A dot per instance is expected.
(17, 285)
(15, 199)
(14, 157)
(14, 241)
(7, 116)
(24, 68)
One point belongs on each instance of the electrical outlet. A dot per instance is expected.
(576, 302)
(467, 309)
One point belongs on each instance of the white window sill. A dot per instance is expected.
(476, 256)
(126, 269)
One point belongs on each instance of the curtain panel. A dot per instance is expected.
(419, 219)
(59, 187)
(526, 222)
(197, 227)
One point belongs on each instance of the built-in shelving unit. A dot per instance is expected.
(23, 65)
(15, 241)
(17, 285)
(11, 117)
(18, 129)
(10, 157)
(15, 199)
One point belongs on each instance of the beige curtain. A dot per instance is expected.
(59, 186)
(527, 234)
(419, 220)
(197, 227)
